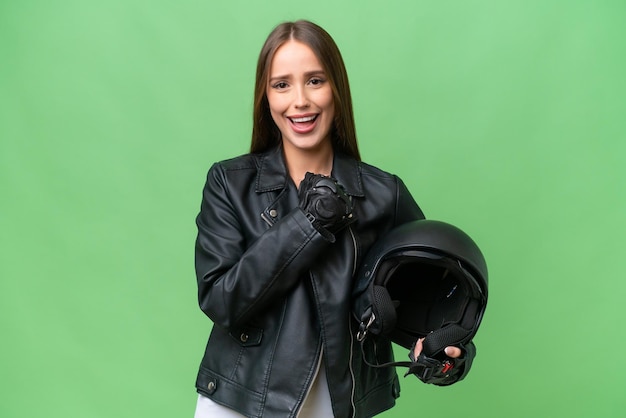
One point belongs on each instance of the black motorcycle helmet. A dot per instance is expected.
(424, 278)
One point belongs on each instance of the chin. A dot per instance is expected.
(309, 145)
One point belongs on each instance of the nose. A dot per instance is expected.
(301, 99)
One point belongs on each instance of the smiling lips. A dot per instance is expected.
(303, 124)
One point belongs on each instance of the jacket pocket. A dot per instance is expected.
(247, 336)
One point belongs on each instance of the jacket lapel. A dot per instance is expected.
(346, 171)
(272, 177)
(272, 174)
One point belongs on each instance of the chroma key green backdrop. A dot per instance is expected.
(506, 118)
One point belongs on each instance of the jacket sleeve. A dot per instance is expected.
(237, 279)
(407, 209)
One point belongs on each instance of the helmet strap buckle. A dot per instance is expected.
(364, 326)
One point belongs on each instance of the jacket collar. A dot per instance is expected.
(272, 174)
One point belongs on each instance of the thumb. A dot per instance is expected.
(418, 348)
(453, 352)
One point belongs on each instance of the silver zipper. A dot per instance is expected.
(266, 219)
(354, 268)
(356, 249)
(352, 369)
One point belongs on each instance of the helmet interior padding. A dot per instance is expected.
(428, 292)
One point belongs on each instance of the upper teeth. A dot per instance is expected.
(305, 119)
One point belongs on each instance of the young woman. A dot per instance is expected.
(281, 232)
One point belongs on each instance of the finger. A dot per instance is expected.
(418, 348)
(453, 352)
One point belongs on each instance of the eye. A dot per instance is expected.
(280, 85)
(317, 81)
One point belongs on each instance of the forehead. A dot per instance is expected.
(294, 56)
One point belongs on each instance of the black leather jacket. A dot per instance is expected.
(279, 294)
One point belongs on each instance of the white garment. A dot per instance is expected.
(206, 408)
(316, 405)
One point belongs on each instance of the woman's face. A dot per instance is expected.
(300, 98)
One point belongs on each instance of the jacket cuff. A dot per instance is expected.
(328, 236)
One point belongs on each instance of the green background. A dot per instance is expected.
(505, 118)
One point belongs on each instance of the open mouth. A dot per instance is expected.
(304, 119)
(303, 124)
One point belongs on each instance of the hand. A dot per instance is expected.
(451, 351)
(325, 201)
(442, 370)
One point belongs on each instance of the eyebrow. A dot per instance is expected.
(307, 74)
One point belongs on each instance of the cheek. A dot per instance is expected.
(329, 105)
(326, 100)
(276, 101)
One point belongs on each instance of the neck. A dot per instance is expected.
(299, 162)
